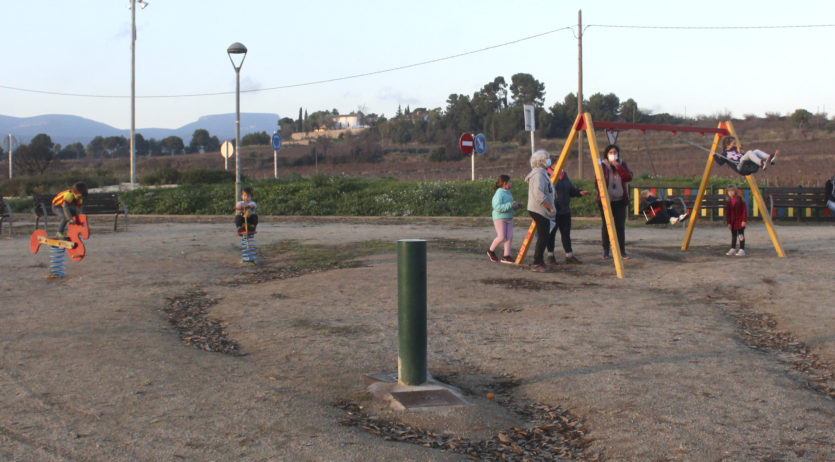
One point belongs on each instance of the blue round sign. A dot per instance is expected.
(480, 143)
(276, 142)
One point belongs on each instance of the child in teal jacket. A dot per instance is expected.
(503, 207)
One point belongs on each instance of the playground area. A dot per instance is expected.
(690, 356)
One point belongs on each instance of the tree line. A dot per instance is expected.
(496, 110)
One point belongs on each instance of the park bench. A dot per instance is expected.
(5, 212)
(794, 201)
(94, 204)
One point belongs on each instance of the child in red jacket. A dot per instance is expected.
(736, 216)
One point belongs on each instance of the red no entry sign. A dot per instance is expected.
(466, 143)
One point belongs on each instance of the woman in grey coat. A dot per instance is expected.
(540, 205)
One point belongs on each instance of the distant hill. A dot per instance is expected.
(66, 129)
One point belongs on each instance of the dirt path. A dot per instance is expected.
(692, 356)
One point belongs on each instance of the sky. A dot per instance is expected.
(684, 58)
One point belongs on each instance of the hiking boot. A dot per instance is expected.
(731, 252)
(741, 253)
(492, 256)
(507, 259)
(572, 260)
(539, 269)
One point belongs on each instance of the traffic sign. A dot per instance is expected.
(227, 150)
(530, 117)
(466, 143)
(480, 143)
(276, 141)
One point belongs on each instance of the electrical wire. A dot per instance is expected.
(295, 85)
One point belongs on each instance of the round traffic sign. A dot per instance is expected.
(480, 143)
(227, 150)
(276, 141)
(466, 143)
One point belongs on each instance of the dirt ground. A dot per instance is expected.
(691, 356)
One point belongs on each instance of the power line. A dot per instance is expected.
(727, 28)
(315, 82)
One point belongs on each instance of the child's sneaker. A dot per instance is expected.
(741, 253)
(682, 217)
(552, 259)
(507, 259)
(572, 260)
(731, 252)
(774, 157)
(674, 220)
(492, 256)
(539, 269)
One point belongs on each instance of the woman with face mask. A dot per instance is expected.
(616, 175)
(540, 205)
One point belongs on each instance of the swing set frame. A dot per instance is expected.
(584, 122)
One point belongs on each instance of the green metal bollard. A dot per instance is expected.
(411, 311)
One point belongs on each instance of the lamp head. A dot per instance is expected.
(239, 50)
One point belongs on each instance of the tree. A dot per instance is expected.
(141, 145)
(259, 138)
(459, 115)
(71, 151)
(491, 98)
(201, 141)
(173, 145)
(300, 122)
(35, 157)
(800, 118)
(629, 111)
(116, 146)
(602, 107)
(527, 90)
(95, 147)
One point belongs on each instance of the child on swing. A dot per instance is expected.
(655, 206)
(503, 207)
(245, 212)
(736, 216)
(67, 205)
(744, 164)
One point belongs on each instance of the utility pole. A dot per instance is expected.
(580, 90)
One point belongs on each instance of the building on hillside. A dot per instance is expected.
(352, 120)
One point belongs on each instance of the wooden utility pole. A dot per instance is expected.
(580, 90)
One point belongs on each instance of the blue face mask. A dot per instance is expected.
(547, 162)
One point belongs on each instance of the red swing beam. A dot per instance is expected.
(658, 127)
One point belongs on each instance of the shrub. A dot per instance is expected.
(164, 175)
(202, 176)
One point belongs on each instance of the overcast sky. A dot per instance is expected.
(63, 57)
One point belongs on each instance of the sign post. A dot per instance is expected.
(530, 122)
(227, 150)
(276, 148)
(466, 143)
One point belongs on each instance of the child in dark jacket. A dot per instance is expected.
(736, 216)
(654, 206)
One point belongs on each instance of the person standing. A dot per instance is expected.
(564, 191)
(736, 216)
(503, 208)
(616, 176)
(540, 205)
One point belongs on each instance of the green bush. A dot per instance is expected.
(164, 175)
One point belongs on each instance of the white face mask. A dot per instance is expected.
(612, 157)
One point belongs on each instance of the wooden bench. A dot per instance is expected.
(6, 212)
(711, 204)
(796, 200)
(94, 204)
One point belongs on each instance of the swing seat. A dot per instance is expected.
(656, 212)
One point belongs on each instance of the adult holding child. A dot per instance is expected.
(616, 176)
(540, 205)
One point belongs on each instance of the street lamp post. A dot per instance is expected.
(239, 51)
(143, 4)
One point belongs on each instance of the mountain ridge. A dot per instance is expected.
(65, 129)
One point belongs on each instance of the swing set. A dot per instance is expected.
(584, 123)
